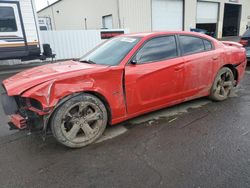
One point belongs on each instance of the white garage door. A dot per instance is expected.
(167, 15)
(207, 12)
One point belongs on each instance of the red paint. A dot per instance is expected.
(147, 87)
(110, 34)
(18, 121)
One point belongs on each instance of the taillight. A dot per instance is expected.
(244, 42)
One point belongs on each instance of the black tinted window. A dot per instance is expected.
(157, 49)
(190, 45)
(43, 28)
(7, 20)
(208, 45)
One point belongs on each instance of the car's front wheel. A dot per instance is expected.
(80, 121)
(223, 85)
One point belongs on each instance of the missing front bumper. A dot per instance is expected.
(18, 121)
(9, 104)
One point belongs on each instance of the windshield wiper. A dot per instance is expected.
(87, 61)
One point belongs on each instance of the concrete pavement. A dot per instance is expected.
(195, 144)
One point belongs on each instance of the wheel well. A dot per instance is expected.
(99, 96)
(234, 70)
(105, 102)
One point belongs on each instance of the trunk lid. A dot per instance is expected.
(233, 44)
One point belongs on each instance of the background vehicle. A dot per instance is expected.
(124, 77)
(245, 41)
(19, 31)
(203, 31)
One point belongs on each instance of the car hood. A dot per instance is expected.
(25, 80)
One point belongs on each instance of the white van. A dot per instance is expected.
(19, 34)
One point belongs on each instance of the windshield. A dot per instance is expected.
(111, 52)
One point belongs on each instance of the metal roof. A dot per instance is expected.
(49, 6)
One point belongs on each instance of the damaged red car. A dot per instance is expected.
(124, 77)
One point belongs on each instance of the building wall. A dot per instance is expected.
(72, 14)
(136, 15)
(190, 14)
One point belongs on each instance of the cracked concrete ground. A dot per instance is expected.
(195, 144)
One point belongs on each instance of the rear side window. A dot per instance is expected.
(157, 49)
(7, 20)
(208, 45)
(190, 45)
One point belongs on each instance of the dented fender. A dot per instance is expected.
(51, 92)
(108, 85)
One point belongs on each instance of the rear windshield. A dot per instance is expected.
(247, 33)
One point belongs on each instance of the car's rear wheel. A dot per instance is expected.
(80, 121)
(223, 85)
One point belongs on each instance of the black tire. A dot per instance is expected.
(223, 85)
(79, 121)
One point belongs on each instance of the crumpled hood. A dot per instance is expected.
(25, 80)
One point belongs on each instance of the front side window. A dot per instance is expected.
(7, 20)
(157, 49)
(191, 45)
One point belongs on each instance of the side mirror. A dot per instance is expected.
(134, 62)
(136, 59)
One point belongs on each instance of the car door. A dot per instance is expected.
(155, 77)
(198, 56)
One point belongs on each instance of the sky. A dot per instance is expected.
(42, 3)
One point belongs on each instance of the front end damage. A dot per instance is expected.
(30, 97)
(24, 113)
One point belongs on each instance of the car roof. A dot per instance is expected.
(159, 33)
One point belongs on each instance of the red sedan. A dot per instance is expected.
(120, 79)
